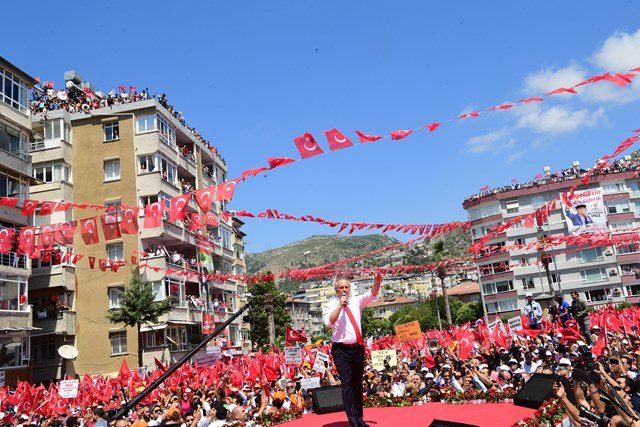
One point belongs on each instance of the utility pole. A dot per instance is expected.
(272, 327)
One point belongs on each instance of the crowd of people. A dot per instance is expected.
(629, 164)
(598, 385)
(74, 99)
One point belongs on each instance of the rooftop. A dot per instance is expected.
(464, 288)
(396, 300)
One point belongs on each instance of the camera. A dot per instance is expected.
(602, 420)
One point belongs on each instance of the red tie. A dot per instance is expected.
(355, 325)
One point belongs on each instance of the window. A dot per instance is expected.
(618, 206)
(154, 339)
(147, 163)
(14, 141)
(118, 342)
(52, 129)
(630, 269)
(481, 212)
(590, 255)
(111, 131)
(111, 170)
(45, 353)
(621, 226)
(633, 290)
(115, 296)
(483, 230)
(52, 172)
(593, 275)
(495, 268)
(528, 283)
(177, 338)
(497, 287)
(520, 241)
(537, 202)
(13, 91)
(516, 225)
(225, 236)
(634, 187)
(11, 290)
(159, 293)
(176, 291)
(114, 207)
(169, 171)
(16, 352)
(629, 249)
(613, 187)
(166, 131)
(597, 295)
(115, 252)
(146, 123)
(505, 305)
(512, 206)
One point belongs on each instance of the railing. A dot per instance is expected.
(12, 259)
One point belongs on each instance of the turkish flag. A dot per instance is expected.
(110, 228)
(46, 237)
(27, 240)
(253, 172)
(29, 207)
(467, 115)
(226, 189)
(11, 202)
(562, 90)
(397, 135)
(129, 221)
(501, 107)
(276, 162)
(433, 126)
(337, 140)
(153, 214)
(307, 146)
(62, 206)
(102, 263)
(6, 239)
(211, 219)
(367, 138)
(179, 207)
(89, 231)
(46, 208)
(204, 196)
(293, 335)
(76, 258)
(196, 222)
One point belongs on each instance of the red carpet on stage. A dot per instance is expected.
(486, 414)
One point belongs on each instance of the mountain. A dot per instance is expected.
(322, 250)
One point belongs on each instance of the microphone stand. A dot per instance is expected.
(128, 406)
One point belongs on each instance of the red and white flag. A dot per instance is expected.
(129, 221)
(294, 335)
(337, 140)
(307, 146)
(153, 214)
(89, 231)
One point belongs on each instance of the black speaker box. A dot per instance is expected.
(535, 391)
(327, 399)
(443, 423)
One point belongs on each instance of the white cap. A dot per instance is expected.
(512, 361)
(564, 361)
(483, 366)
(625, 341)
(548, 353)
(632, 375)
(446, 366)
(429, 375)
(503, 368)
(424, 368)
(529, 294)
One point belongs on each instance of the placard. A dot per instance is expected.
(585, 212)
(292, 355)
(319, 364)
(515, 323)
(408, 331)
(68, 389)
(378, 357)
(208, 357)
(309, 383)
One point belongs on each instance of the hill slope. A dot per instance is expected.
(324, 249)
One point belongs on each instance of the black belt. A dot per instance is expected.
(354, 345)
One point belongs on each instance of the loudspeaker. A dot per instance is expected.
(327, 399)
(535, 391)
(443, 423)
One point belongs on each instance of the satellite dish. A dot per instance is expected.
(68, 352)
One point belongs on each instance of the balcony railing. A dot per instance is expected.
(12, 259)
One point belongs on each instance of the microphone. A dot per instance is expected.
(344, 294)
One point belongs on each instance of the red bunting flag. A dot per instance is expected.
(46, 237)
(253, 172)
(62, 206)
(397, 135)
(337, 140)
(211, 219)
(64, 232)
(433, 126)
(293, 335)
(562, 90)
(501, 107)
(29, 207)
(129, 221)
(46, 208)
(179, 207)
(473, 114)
(196, 222)
(27, 240)
(307, 146)
(11, 202)
(102, 263)
(204, 196)
(89, 231)
(532, 99)
(110, 226)
(153, 214)
(367, 138)
(226, 189)
(6, 239)
(276, 162)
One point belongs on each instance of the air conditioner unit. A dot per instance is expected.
(613, 273)
(608, 252)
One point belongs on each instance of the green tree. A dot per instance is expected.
(469, 312)
(423, 313)
(138, 307)
(257, 316)
(372, 327)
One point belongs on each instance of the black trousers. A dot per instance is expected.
(349, 361)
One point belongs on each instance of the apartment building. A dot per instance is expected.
(131, 154)
(16, 323)
(600, 274)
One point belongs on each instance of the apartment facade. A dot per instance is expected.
(132, 154)
(600, 275)
(16, 322)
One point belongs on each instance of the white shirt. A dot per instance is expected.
(342, 331)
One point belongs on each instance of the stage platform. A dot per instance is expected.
(484, 414)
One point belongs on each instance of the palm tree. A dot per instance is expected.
(138, 307)
(438, 254)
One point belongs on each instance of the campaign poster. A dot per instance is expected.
(585, 212)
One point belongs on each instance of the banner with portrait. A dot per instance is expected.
(585, 212)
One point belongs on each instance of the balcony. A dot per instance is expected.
(58, 323)
(183, 315)
(13, 261)
(53, 276)
(161, 262)
(169, 233)
(628, 258)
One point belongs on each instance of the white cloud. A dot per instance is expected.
(619, 53)
(557, 119)
(492, 141)
(514, 157)
(545, 81)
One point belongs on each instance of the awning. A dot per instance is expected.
(182, 322)
(153, 328)
(8, 329)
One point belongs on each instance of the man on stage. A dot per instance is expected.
(342, 315)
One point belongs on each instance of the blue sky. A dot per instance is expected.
(252, 75)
